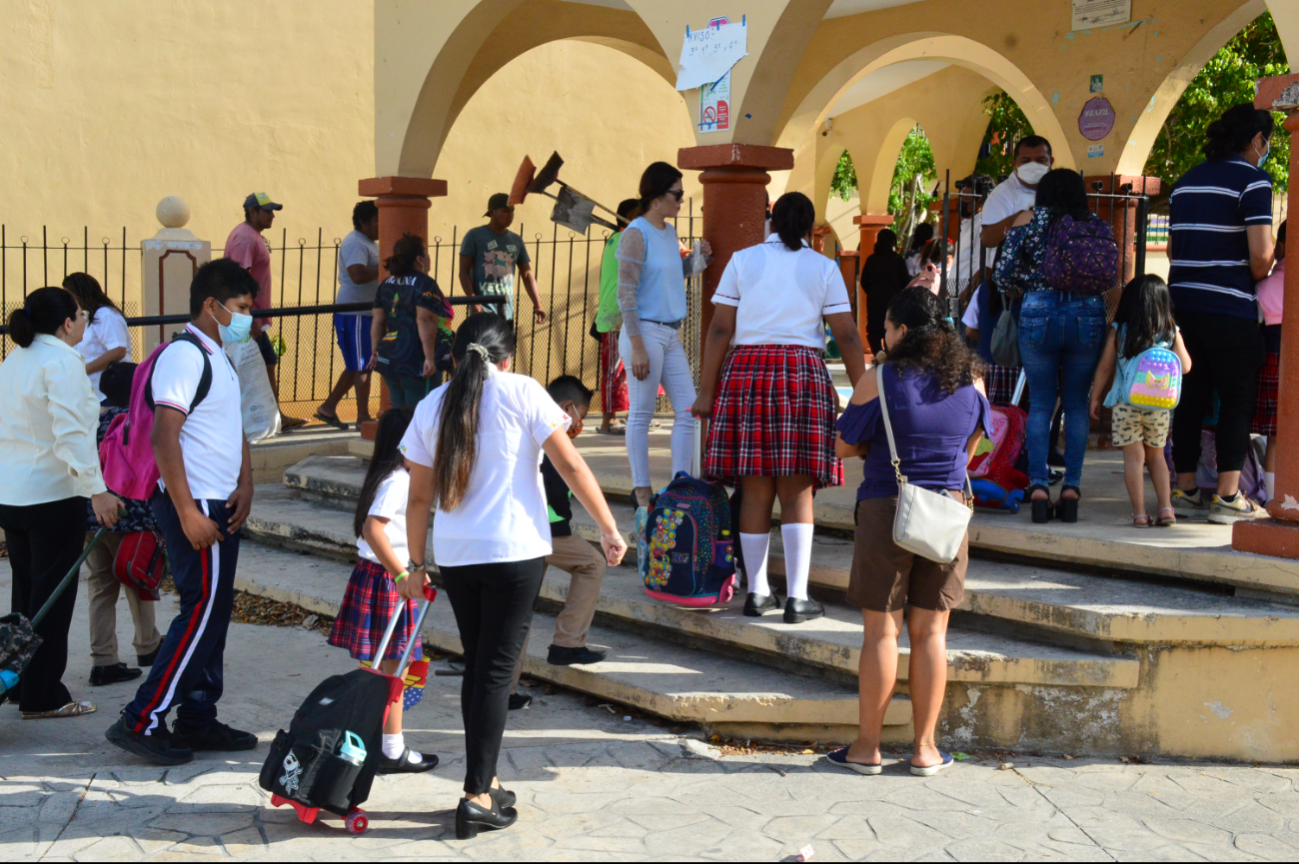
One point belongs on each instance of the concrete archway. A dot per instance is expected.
(811, 108)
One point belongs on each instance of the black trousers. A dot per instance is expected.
(1226, 353)
(493, 608)
(45, 540)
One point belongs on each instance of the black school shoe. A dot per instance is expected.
(757, 605)
(115, 674)
(217, 738)
(519, 701)
(403, 764)
(503, 798)
(558, 656)
(144, 661)
(159, 748)
(798, 611)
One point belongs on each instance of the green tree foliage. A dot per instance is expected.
(913, 182)
(844, 183)
(1006, 125)
(1226, 80)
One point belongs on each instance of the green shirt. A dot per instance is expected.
(607, 315)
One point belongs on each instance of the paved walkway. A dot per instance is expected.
(593, 785)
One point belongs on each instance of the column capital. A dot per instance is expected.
(404, 187)
(1277, 94)
(872, 220)
(1123, 183)
(751, 156)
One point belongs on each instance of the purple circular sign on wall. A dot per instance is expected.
(1097, 119)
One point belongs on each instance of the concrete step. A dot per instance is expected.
(271, 457)
(725, 695)
(831, 643)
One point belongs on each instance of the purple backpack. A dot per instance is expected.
(1082, 257)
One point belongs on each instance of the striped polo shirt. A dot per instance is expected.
(1210, 208)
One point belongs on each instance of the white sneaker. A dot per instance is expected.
(1230, 512)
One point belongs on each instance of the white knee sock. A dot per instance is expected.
(798, 557)
(395, 745)
(754, 547)
(1269, 483)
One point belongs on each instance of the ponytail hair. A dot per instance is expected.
(386, 459)
(405, 252)
(43, 311)
(483, 338)
(792, 217)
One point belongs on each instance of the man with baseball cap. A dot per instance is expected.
(247, 246)
(489, 255)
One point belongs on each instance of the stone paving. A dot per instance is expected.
(593, 785)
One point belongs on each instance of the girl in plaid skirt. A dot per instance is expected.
(771, 399)
(372, 599)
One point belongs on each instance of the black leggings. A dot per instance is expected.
(45, 540)
(493, 608)
(1225, 354)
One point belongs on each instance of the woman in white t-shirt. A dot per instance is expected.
(107, 338)
(474, 451)
(773, 404)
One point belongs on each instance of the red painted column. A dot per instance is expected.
(871, 226)
(735, 182)
(1279, 536)
(403, 204)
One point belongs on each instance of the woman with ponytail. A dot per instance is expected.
(772, 403)
(51, 466)
(933, 385)
(475, 449)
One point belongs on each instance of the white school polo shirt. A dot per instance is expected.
(106, 332)
(390, 503)
(781, 296)
(503, 516)
(212, 437)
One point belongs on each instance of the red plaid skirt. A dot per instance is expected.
(1269, 381)
(1001, 383)
(369, 604)
(613, 376)
(773, 417)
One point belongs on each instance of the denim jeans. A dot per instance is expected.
(1060, 341)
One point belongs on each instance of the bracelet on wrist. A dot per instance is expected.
(400, 576)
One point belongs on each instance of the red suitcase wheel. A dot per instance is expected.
(356, 822)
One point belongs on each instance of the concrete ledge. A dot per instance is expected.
(270, 458)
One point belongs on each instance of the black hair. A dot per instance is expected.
(1032, 142)
(115, 383)
(43, 311)
(886, 240)
(569, 388)
(931, 345)
(1063, 193)
(220, 279)
(457, 438)
(792, 217)
(405, 252)
(655, 183)
(936, 250)
(363, 212)
(1280, 235)
(627, 209)
(1232, 132)
(923, 234)
(1146, 312)
(89, 295)
(386, 459)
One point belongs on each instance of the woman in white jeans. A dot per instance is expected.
(652, 275)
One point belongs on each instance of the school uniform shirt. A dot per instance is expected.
(503, 515)
(47, 426)
(390, 503)
(212, 437)
(781, 297)
(106, 332)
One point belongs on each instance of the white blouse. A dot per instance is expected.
(47, 427)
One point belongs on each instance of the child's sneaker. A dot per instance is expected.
(1189, 502)
(1224, 512)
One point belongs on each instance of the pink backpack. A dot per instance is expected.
(126, 453)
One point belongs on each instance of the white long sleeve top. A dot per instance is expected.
(48, 417)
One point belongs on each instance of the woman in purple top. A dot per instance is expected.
(934, 387)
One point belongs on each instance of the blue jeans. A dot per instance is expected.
(1060, 341)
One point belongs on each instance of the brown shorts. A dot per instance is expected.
(885, 577)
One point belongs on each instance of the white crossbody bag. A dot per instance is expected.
(929, 524)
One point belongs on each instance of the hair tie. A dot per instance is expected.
(481, 351)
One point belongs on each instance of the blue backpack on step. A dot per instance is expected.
(690, 554)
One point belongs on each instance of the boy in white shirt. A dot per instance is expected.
(207, 493)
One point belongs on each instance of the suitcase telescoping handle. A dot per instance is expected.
(429, 593)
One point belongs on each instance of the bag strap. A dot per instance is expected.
(888, 428)
(204, 379)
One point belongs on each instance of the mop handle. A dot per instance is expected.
(67, 580)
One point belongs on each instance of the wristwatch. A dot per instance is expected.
(412, 567)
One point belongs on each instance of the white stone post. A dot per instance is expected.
(169, 260)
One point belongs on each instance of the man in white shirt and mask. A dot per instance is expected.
(1033, 160)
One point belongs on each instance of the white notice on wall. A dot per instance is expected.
(709, 53)
(715, 105)
(1089, 14)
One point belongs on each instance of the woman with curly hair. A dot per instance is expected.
(934, 387)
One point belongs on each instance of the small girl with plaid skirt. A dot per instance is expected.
(771, 399)
(372, 599)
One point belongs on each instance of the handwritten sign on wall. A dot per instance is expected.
(709, 53)
(1089, 14)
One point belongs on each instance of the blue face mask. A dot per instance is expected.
(1266, 153)
(239, 329)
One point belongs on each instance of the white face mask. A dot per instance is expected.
(1031, 173)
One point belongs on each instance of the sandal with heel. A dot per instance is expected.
(1041, 506)
(1067, 508)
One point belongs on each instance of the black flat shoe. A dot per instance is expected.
(144, 661)
(115, 674)
(1041, 506)
(558, 656)
(159, 748)
(403, 764)
(798, 611)
(757, 605)
(503, 798)
(1067, 508)
(217, 738)
(519, 701)
(470, 818)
